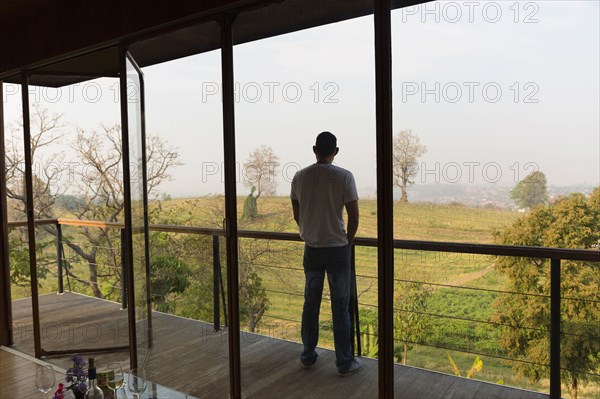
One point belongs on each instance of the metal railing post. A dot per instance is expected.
(216, 284)
(123, 272)
(354, 315)
(555, 386)
(59, 259)
(223, 297)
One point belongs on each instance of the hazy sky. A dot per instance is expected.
(494, 90)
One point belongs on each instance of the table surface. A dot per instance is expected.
(18, 380)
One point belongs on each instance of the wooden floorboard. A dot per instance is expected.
(190, 357)
(17, 377)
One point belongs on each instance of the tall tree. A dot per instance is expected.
(569, 222)
(407, 150)
(97, 182)
(530, 191)
(260, 170)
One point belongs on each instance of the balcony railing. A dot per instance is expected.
(555, 255)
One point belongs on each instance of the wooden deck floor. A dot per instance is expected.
(189, 357)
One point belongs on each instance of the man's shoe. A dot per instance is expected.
(309, 362)
(355, 366)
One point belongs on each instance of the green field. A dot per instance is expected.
(458, 318)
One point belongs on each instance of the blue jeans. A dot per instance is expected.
(336, 262)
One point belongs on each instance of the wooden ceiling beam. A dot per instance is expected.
(71, 26)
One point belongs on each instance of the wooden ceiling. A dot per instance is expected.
(18, 10)
(78, 39)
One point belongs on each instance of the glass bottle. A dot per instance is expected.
(94, 391)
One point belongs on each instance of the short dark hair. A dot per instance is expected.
(326, 144)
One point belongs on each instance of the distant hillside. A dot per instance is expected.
(492, 196)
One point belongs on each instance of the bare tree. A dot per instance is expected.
(260, 170)
(46, 130)
(101, 185)
(407, 149)
(98, 182)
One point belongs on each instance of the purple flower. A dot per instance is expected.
(78, 361)
(77, 375)
(82, 387)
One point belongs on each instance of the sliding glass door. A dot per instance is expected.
(136, 209)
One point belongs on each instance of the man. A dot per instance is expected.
(319, 194)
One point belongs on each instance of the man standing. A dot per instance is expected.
(319, 194)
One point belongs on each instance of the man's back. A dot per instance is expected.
(322, 190)
(319, 194)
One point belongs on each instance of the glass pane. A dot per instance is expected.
(75, 142)
(493, 139)
(290, 88)
(188, 277)
(17, 232)
(143, 316)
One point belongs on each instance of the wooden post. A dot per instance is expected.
(35, 306)
(385, 209)
(231, 236)
(6, 333)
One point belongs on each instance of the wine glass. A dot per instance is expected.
(137, 381)
(44, 378)
(115, 379)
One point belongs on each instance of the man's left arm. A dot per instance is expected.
(353, 215)
(296, 209)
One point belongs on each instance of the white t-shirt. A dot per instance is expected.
(322, 191)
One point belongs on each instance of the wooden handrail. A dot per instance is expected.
(590, 255)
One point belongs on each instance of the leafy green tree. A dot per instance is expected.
(569, 222)
(530, 191)
(253, 296)
(256, 258)
(369, 335)
(18, 253)
(182, 262)
(169, 277)
(410, 322)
